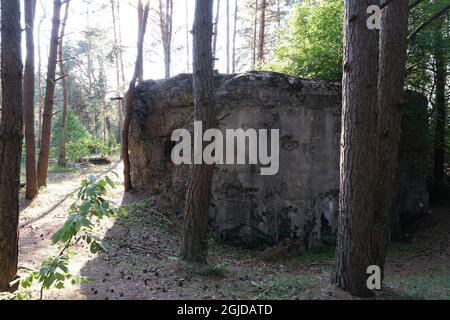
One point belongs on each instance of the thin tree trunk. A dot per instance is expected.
(28, 102)
(140, 19)
(119, 26)
(62, 134)
(130, 100)
(10, 139)
(166, 25)
(168, 45)
(195, 245)
(440, 113)
(188, 47)
(117, 62)
(391, 78)
(89, 56)
(255, 34)
(228, 36)
(358, 145)
(236, 5)
(262, 31)
(215, 33)
(40, 100)
(44, 154)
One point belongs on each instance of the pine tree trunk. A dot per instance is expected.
(140, 20)
(255, 34)
(62, 134)
(391, 78)
(358, 144)
(228, 37)
(168, 37)
(262, 32)
(28, 102)
(188, 47)
(44, 153)
(195, 245)
(216, 33)
(39, 75)
(117, 49)
(234, 37)
(10, 139)
(130, 99)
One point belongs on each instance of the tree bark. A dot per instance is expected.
(28, 102)
(44, 153)
(391, 78)
(10, 139)
(40, 100)
(216, 32)
(117, 50)
(62, 134)
(188, 48)
(166, 25)
(228, 37)
(358, 145)
(130, 99)
(236, 5)
(195, 245)
(255, 34)
(140, 19)
(262, 32)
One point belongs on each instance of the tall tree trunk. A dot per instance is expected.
(262, 31)
(44, 154)
(228, 37)
(440, 113)
(130, 100)
(140, 19)
(195, 245)
(28, 102)
(168, 44)
(89, 55)
(255, 34)
(358, 145)
(391, 78)
(40, 100)
(117, 49)
(215, 33)
(188, 47)
(236, 6)
(62, 134)
(166, 25)
(10, 139)
(119, 30)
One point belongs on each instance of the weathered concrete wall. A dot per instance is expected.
(301, 202)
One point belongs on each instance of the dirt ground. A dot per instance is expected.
(141, 261)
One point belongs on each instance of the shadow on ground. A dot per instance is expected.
(142, 263)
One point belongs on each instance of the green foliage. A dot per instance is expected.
(218, 270)
(285, 288)
(312, 43)
(75, 130)
(89, 208)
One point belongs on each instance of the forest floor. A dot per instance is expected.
(141, 259)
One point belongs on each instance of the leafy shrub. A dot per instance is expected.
(90, 207)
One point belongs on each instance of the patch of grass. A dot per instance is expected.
(218, 270)
(431, 284)
(286, 287)
(323, 254)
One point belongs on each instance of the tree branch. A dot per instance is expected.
(428, 22)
